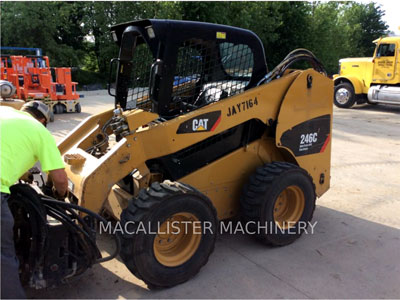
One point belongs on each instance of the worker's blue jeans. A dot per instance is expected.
(10, 283)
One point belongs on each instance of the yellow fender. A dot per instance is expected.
(304, 127)
(357, 84)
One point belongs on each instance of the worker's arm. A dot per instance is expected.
(60, 181)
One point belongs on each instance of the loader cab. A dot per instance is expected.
(173, 67)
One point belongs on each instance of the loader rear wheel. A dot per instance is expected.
(344, 96)
(169, 233)
(279, 200)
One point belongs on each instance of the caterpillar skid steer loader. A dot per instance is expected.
(201, 132)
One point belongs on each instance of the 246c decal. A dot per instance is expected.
(308, 137)
(307, 140)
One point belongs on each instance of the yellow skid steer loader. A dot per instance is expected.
(201, 132)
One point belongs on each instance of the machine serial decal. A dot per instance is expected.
(241, 106)
(202, 123)
(308, 137)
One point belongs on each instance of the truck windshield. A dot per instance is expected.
(386, 50)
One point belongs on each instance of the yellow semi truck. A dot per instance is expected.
(370, 79)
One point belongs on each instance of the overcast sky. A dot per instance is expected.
(392, 13)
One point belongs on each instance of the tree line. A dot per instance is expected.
(76, 34)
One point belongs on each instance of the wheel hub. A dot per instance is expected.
(342, 96)
(289, 207)
(177, 239)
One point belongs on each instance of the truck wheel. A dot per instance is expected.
(344, 95)
(51, 116)
(279, 200)
(78, 108)
(63, 108)
(58, 108)
(169, 233)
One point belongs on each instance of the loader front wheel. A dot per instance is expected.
(279, 201)
(169, 233)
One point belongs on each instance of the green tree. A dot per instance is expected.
(78, 33)
(326, 38)
(98, 18)
(362, 24)
(53, 26)
(289, 29)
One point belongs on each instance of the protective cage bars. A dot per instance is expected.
(205, 72)
(138, 93)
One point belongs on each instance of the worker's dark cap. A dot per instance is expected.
(37, 107)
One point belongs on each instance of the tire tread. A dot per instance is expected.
(140, 206)
(252, 199)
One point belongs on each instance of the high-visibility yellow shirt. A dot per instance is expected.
(24, 141)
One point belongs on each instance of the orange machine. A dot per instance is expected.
(32, 77)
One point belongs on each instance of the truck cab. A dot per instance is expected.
(370, 79)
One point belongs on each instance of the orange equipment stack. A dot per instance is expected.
(35, 80)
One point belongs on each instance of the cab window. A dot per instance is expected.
(237, 60)
(138, 91)
(208, 71)
(386, 50)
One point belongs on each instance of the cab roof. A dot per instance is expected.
(183, 30)
(161, 33)
(388, 39)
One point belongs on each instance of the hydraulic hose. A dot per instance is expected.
(39, 206)
(293, 57)
(50, 202)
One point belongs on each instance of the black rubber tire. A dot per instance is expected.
(156, 204)
(51, 116)
(58, 108)
(261, 193)
(78, 108)
(351, 100)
